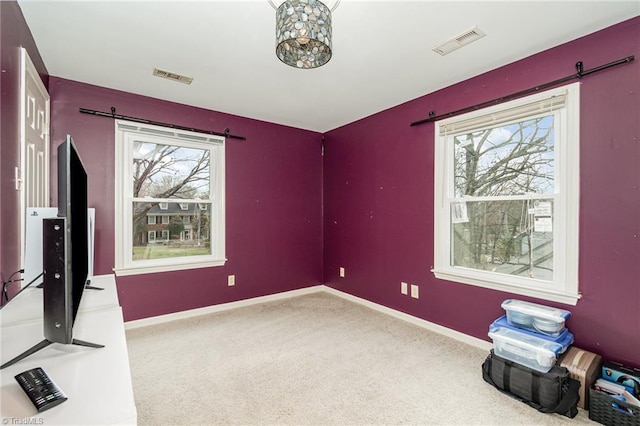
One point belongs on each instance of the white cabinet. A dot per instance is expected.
(96, 381)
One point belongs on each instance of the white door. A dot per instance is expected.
(34, 162)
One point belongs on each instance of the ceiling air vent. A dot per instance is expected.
(460, 40)
(172, 76)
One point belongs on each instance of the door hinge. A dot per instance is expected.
(18, 179)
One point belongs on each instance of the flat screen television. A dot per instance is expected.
(65, 254)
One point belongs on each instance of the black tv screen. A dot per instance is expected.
(65, 245)
(72, 205)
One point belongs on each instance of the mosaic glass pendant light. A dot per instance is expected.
(303, 33)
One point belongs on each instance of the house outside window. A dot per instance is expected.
(168, 173)
(506, 196)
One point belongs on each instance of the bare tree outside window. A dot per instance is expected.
(505, 177)
(507, 196)
(183, 174)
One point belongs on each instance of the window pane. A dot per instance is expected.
(513, 159)
(179, 237)
(508, 237)
(166, 171)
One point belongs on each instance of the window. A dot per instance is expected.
(162, 171)
(506, 196)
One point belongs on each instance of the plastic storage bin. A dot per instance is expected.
(531, 351)
(534, 317)
(564, 338)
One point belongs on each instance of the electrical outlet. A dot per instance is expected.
(231, 280)
(341, 272)
(414, 291)
(404, 288)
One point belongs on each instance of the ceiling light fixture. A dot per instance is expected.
(303, 32)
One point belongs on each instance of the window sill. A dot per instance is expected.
(566, 298)
(153, 269)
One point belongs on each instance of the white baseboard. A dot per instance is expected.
(448, 332)
(465, 338)
(219, 308)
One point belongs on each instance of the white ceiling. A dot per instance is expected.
(381, 50)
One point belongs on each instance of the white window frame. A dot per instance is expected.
(151, 220)
(151, 236)
(126, 133)
(564, 287)
(165, 234)
(165, 219)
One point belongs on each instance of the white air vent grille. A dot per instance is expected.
(460, 40)
(172, 76)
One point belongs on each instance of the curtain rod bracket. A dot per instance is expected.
(113, 112)
(579, 69)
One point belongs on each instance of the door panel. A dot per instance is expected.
(34, 143)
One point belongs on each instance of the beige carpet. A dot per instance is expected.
(314, 360)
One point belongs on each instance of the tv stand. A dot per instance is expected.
(43, 345)
(75, 369)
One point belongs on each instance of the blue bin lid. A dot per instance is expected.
(564, 338)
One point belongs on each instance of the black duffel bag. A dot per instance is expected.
(552, 392)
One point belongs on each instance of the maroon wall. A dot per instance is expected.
(14, 34)
(273, 200)
(378, 198)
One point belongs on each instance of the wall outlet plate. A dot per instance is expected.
(231, 280)
(341, 272)
(404, 288)
(414, 291)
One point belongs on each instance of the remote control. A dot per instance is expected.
(40, 389)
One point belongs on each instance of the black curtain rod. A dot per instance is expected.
(113, 115)
(579, 74)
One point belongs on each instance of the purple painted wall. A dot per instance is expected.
(273, 200)
(14, 34)
(378, 199)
